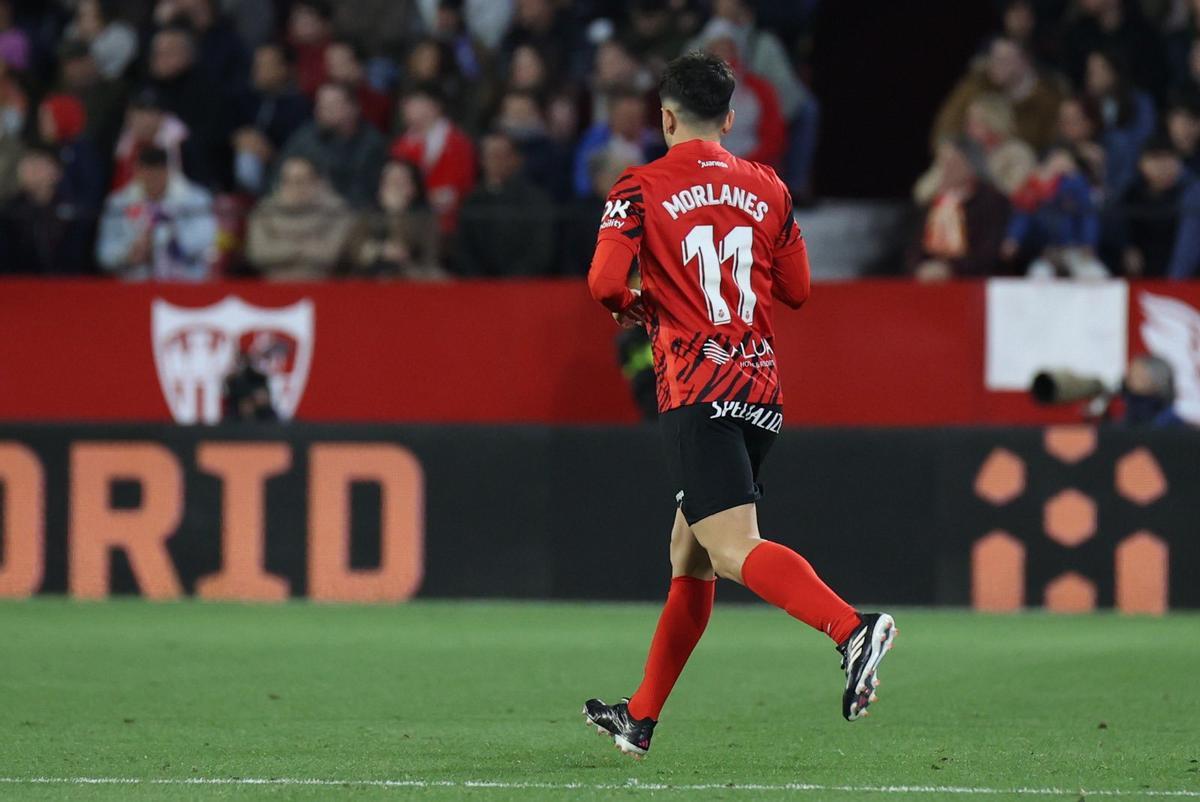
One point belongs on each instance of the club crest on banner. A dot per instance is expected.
(195, 348)
(1171, 330)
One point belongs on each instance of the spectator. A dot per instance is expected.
(508, 229)
(651, 35)
(547, 161)
(760, 133)
(1150, 211)
(41, 230)
(14, 44)
(253, 20)
(274, 110)
(1079, 126)
(1007, 70)
(182, 89)
(627, 124)
(221, 55)
(104, 100)
(1056, 221)
(541, 25)
(444, 153)
(527, 70)
(990, 126)
(112, 42)
(763, 54)
(159, 227)
(149, 124)
(430, 63)
(14, 103)
(452, 29)
(1116, 27)
(964, 224)
(376, 25)
(1127, 115)
(310, 27)
(1148, 393)
(61, 124)
(578, 239)
(348, 152)
(484, 20)
(299, 232)
(344, 65)
(399, 238)
(616, 70)
(1183, 127)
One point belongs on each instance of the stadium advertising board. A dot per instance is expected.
(859, 353)
(1069, 518)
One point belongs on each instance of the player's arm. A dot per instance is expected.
(617, 247)
(790, 274)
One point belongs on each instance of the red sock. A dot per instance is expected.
(783, 578)
(683, 619)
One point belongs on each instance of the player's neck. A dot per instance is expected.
(682, 136)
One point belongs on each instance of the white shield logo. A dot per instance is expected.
(196, 348)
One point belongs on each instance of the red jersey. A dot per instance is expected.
(714, 239)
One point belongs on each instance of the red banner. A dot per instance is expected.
(868, 352)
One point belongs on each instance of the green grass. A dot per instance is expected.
(457, 692)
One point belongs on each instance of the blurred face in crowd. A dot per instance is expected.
(425, 61)
(627, 117)
(335, 110)
(299, 183)
(1006, 65)
(270, 71)
(536, 14)
(650, 22)
(80, 71)
(397, 187)
(420, 112)
(527, 71)
(170, 54)
(735, 11)
(448, 21)
(1143, 379)
(89, 19)
(606, 174)
(562, 118)
(1183, 126)
(306, 26)
(38, 176)
(499, 159)
(1019, 21)
(1074, 125)
(520, 114)
(1101, 78)
(342, 64)
(614, 65)
(978, 125)
(198, 13)
(1160, 169)
(153, 180)
(144, 124)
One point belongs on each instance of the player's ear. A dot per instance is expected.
(668, 121)
(728, 123)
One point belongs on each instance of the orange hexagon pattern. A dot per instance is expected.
(1069, 518)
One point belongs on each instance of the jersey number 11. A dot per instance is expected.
(701, 243)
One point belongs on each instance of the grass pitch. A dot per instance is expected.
(433, 697)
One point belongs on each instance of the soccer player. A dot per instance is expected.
(714, 241)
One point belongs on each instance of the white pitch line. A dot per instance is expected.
(631, 785)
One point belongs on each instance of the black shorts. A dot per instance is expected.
(714, 451)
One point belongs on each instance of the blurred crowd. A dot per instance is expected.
(1070, 147)
(303, 139)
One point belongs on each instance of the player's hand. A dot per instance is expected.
(634, 315)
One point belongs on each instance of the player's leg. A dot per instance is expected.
(783, 578)
(682, 622)
(680, 626)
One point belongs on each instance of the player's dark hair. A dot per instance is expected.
(700, 84)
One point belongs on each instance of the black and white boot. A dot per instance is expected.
(631, 735)
(861, 654)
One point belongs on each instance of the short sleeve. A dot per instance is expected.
(624, 212)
